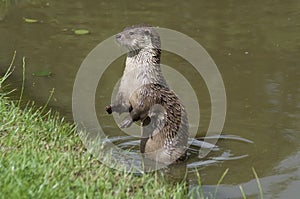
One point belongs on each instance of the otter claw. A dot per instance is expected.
(108, 109)
(126, 123)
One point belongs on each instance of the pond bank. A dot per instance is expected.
(43, 157)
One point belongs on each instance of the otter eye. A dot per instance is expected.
(131, 33)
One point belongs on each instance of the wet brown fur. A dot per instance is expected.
(163, 117)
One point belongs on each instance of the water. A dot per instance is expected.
(254, 44)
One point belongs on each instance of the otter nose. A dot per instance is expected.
(118, 36)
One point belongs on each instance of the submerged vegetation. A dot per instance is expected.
(5, 5)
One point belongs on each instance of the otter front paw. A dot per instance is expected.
(108, 109)
(126, 122)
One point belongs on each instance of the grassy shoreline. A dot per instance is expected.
(43, 157)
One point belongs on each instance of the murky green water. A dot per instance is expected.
(254, 44)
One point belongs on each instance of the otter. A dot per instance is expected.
(145, 94)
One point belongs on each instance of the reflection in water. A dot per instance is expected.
(195, 159)
(132, 161)
(254, 44)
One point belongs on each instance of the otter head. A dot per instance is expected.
(139, 37)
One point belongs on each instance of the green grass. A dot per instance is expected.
(41, 156)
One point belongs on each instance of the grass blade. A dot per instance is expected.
(258, 183)
(23, 81)
(200, 185)
(9, 70)
(242, 191)
(220, 181)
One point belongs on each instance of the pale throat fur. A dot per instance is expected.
(140, 71)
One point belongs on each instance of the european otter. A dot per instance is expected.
(144, 93)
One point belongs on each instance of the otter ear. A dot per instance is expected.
(147, 32)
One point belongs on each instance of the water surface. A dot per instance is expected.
(254, 44)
